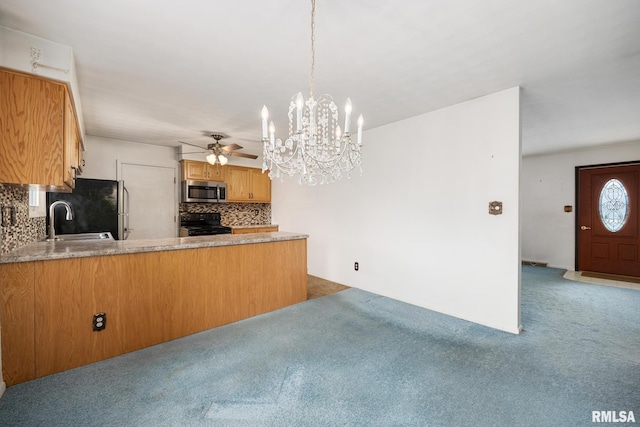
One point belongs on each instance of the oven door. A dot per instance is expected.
(199, 192)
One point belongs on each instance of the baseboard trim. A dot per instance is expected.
(3, 387)
(606, 276)
(535, 263)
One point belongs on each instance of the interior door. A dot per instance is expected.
(607, 234)
(152, 201)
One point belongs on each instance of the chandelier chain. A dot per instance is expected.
(312, 82)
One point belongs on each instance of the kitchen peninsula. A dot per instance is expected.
(150, 291)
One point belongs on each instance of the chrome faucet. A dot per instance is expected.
(69, 217)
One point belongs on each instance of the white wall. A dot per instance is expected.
(548, 184)
(102, 155)
(417, 219)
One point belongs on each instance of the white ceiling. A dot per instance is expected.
(160, 71)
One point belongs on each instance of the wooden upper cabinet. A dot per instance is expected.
(216, 172)
(260, 186)
(237, 184)
(71, 144)
(247, 185)
(39, 139)
(202, 171)
(243, 184)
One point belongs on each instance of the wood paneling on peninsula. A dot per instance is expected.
(149, 298)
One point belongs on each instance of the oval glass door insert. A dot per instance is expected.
(614, 205)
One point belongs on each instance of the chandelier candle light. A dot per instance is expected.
(316, 150)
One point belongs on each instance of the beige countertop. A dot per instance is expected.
(39, 251)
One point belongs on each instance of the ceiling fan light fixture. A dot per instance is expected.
(218, 154)
(217, 159)
(212, 158)
(316, 149)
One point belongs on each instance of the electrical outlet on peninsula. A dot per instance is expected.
(356, 266)
(99, 321)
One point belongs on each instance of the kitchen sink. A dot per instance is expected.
(83, 236)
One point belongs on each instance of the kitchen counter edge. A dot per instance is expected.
(43, 251)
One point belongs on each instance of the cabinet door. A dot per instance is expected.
(260, 186)
(250, 230)
(31, 130)
(238, 184)
(215, 172)
(193, 170)
(80, 154)
(71, 144)
(17, 318)
(202, 171)
(243, 231)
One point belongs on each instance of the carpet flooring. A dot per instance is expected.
(357, 359)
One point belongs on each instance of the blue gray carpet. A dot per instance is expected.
(358, 359)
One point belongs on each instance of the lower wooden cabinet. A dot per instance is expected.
(17, 321)
(250, 230)
(47, 307)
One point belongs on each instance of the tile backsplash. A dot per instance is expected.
(23, 230)
(233, 214)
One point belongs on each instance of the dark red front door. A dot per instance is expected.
(607, 220)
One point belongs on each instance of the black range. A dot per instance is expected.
(201, 224)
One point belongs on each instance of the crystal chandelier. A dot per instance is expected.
(317, 149)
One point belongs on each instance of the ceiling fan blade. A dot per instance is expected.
(248, 156)
(230, 147)
(193, 145)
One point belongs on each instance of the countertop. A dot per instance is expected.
(39, 251)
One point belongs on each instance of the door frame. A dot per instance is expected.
(577, 200)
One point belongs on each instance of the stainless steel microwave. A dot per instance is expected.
(204, 192)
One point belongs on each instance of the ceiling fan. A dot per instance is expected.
(217, 151)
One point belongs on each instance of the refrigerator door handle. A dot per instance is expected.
(127, 229)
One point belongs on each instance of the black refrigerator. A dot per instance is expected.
(98, 205)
